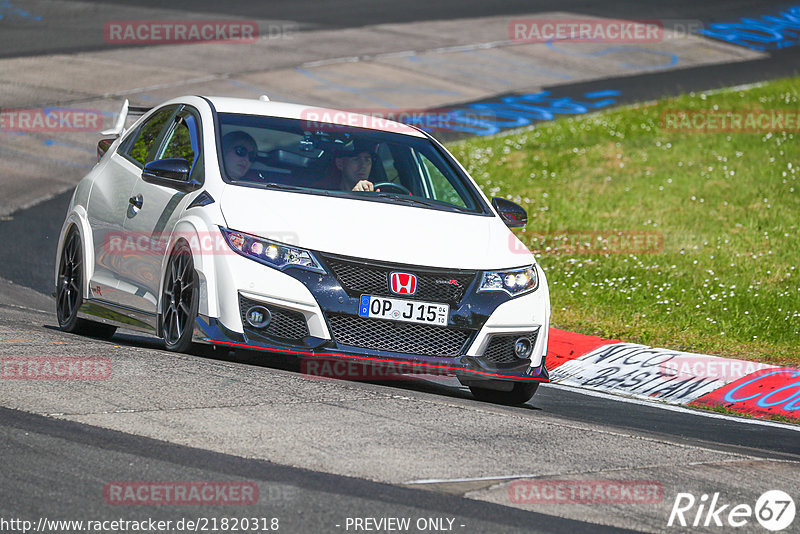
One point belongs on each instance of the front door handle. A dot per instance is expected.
(136, 201)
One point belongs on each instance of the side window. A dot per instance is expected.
(149, 133)
(127, 141)
(442, 188)
(386, 160)
(182, 140)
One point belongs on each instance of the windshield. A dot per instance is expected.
(321, 158)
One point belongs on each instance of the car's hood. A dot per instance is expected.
(393, 233)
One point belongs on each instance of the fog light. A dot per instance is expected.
(258, 316)
(523, 347)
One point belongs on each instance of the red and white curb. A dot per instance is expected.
(672, 377)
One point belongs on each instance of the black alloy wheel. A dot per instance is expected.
(179, 300)
(69, 291)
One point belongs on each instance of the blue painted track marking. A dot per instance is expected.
(767, 33)
(487, 118)
(7, 9)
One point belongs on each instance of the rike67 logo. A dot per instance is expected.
(774, 510)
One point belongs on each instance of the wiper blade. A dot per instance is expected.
(288, 187)
(421, 201)
(274, 185)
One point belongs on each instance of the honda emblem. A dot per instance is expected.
(403, 283)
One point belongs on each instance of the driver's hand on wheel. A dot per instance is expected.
(364, 185)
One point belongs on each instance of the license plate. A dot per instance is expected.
(411, 311)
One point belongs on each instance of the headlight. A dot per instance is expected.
(514, 282)
(271, 253)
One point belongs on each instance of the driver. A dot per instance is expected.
(354, 164)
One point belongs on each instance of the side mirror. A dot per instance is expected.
(512, 214)
(170, 172)
(102, 147)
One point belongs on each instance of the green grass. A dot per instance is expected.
(726, 204)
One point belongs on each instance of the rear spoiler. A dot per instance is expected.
(125, 110)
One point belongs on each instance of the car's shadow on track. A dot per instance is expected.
(439, 386)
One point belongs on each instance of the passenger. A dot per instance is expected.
(238, 152)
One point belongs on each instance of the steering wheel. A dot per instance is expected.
(397, 188)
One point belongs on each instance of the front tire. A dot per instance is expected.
(69, 291)
(521, 393)
(179, 300)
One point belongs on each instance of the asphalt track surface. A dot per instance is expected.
(302, 500)
(57, 468)
(65, 26)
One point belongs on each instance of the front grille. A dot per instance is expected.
(408, 338)
(435, 285)
(285, 325)
(501, 347)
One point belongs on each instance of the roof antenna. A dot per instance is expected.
(264, 98)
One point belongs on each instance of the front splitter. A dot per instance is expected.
(213, 332)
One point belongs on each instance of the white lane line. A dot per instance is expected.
(469, 47)
(475, 479)
(672, 408)
(743, 87)
(404, 53)
(321, 62)
(545, 476)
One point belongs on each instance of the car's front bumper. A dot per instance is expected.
(210, 330)
(325, 309)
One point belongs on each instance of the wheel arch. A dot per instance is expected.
(192, 231)
(77, 218)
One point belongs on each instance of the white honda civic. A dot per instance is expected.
(285, 228)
